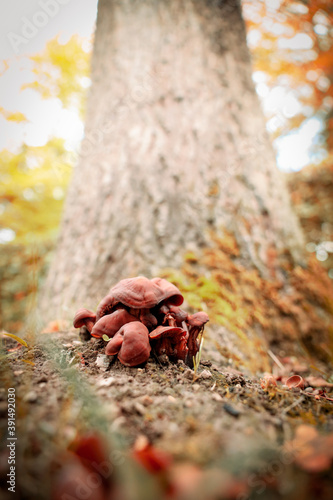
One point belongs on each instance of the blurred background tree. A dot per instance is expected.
(291, 45)
(34, 182)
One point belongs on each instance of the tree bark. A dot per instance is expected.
(175, 150)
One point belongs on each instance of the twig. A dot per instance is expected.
(297, 402)
(275, 359)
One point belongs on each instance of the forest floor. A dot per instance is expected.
(90, 429)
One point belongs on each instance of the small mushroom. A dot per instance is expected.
(198, 319)
(174, 315)
(131, 343)
(295, 382)
(86, 318)
(169, 340)
(196, 323)
(110, 324)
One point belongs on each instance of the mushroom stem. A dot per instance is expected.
(170, 319)
(196, 324)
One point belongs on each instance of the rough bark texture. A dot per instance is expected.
(175, 147)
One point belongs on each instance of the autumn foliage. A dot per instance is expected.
(291, 43)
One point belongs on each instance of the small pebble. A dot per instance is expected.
(206, 362)
(30, 397)
(105, 382)
(147, 400)
(205, 374)
(308, 389)
(102, 361)
(189, 374)
(217, 397)
(231, 410)
(196, 387)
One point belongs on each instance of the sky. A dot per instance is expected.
(47, 17)
(25, 28)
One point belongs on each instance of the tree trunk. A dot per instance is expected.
(175, 151)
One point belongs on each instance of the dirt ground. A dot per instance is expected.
(167, 431)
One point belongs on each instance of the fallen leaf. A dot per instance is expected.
(15, 337)
(56, 326)
(318, 382)
(90, 448)
(151, 458)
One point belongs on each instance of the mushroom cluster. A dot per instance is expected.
(140, 314)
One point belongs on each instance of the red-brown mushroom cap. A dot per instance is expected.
(84, 317)
(111, 323)
(131, 343)
(139, 293)
(167, 331)
(198, 319)
(170, 292)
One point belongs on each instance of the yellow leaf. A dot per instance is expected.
(17, 117)
(15, 337)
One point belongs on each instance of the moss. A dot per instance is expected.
(191, 257)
